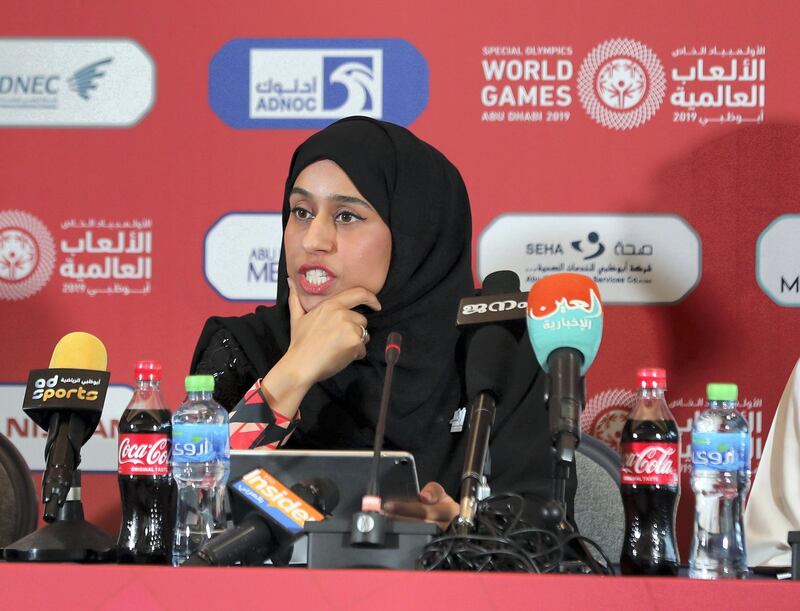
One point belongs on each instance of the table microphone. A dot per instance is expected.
(268, 519)
(369, 524)
(488, 358)
(66, 400)
(565, 326)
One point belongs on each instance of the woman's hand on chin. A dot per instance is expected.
(329, 337)
(433, 505)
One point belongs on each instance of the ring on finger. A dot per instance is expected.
(364, 335)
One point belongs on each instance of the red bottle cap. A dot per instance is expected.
(652, 377)
(147, 370)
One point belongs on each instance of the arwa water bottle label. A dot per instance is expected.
(143, 454)
(720, 451)
(199, 442)
(649, 463)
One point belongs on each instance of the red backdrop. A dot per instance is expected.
(724, 164)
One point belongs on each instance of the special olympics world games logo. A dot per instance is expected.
(27, 255)
(606, 413)
(621, 83)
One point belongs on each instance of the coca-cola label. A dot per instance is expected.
(143, 454)
(649, 463)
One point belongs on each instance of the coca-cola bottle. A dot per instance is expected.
(146, 486)
(650, 452)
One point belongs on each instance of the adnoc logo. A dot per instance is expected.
(309, 83)
(27, 255)
(621, 84)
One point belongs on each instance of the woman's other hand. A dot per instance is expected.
(433, 505)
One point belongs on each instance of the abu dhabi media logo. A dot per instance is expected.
(778, 260)
(241, 252)
(73, 82)
(621, 83)
(27, 255)
(309, 83)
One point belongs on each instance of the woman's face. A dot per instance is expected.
(335, 239)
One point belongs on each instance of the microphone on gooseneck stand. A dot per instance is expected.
(66, 400)
(486, 374)
(370, 539)
(369, 524)
(487, 353)
(268, 519)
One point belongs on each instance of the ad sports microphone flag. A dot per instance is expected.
(76, 379)
(565, 311)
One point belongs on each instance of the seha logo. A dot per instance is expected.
(621, 84)
(27, 255)
(309, 83)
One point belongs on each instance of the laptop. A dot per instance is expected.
(349, 470)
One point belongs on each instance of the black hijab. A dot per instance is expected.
(421, 197)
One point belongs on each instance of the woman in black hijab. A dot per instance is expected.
(377, 238)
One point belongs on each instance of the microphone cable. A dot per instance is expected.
(504, 542)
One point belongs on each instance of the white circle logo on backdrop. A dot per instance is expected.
(621, 83)
(27, 255)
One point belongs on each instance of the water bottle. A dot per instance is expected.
(200, 466)
(720, 479)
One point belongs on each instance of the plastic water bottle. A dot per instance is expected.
(720, 479)
(200, 466)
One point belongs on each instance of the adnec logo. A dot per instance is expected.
(621, 83)
(27, 255)
(74, 82)
(309, 83)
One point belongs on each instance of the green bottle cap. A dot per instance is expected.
(203, 383)
(722, 392)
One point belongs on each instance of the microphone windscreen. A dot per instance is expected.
(500, 282)
(564, 311)
(394, 341)
(488, 360)
(79, 350)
